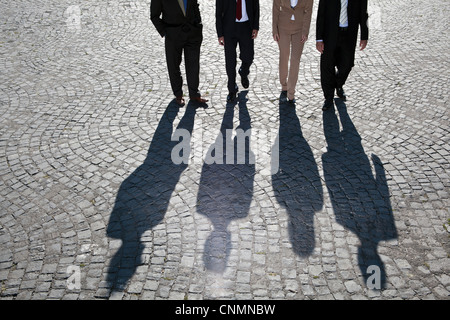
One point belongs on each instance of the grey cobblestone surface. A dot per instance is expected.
(86, 181)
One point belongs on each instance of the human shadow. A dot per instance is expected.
(143, 197)
(226, 184)
(360, 199)
(297, 184)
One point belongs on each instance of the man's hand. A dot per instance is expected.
(363, 44)
(320, 46)
(254, 34)
(222, 41)
(276, 37)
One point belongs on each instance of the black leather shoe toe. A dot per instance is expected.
(231, 97)
(341, 94)
(244, 80)
(328, 105)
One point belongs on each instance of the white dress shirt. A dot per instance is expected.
(244, 13)
(293, 4)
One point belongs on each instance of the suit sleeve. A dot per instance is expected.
(307, 17)
(198, 17)
(256, 14)
(219, 18)
(155, 16)
(364, 21)
(275, 16)
(320, 22)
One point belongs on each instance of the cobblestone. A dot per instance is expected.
(87, 181)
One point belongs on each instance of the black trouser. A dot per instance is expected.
(336, 62)
(187, 39)
(243, 36)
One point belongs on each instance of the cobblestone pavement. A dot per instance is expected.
(335, 205)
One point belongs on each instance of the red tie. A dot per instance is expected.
(239, 9)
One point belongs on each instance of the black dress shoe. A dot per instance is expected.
(328, 105)
(341, 94)
(283, 96)
(244, 80)
(199, 100)
(180, 101)
(291, 102)
(231, 97)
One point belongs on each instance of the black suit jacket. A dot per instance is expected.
(226, 15)
(167, 13)
(327, 25)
